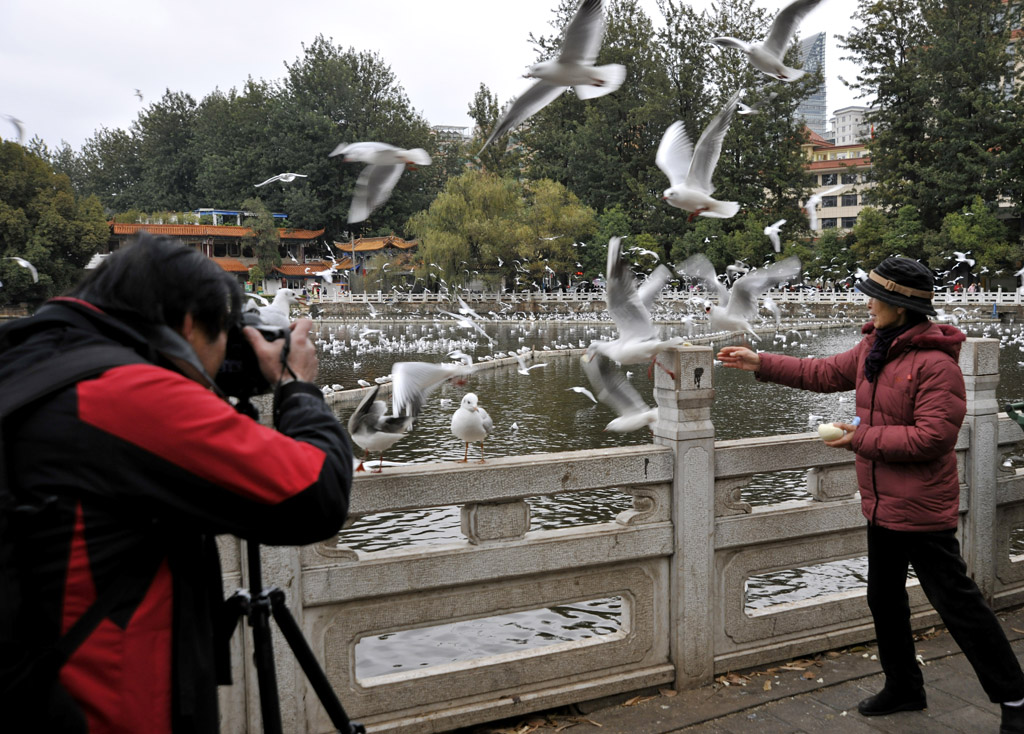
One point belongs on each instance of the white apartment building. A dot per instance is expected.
(849, 125)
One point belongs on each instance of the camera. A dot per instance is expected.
(240, 375)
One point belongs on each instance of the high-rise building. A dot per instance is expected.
(814, 109)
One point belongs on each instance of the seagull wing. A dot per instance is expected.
(709, 147)
(745, 291)
(412, 383)
(611, 386)
(269, 180)
(674, 153)
(785, 24)
(651, 288)
(363, 152)
(829, 192)
(583, 391)
(373, 187)
(583, 35)
(624, 305)
(530, 102)
(698, 266)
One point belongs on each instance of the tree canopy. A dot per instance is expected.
(43, 222)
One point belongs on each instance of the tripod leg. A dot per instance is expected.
(263, 656)
(314, 673)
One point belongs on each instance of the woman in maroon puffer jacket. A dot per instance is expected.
(910, 402)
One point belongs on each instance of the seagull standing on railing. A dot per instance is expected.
(471, 424)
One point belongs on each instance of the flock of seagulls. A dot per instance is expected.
(688, 167)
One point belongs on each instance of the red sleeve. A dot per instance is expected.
(830, 374)
(177, 420)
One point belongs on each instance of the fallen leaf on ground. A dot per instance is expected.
(668, 692)
(809, 675)
(767, 685)
(636, 700)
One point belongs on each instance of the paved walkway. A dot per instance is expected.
(812, 696)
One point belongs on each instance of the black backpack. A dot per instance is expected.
(27, 679)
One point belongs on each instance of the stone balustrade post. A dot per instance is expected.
(979, 362)
(684, 401)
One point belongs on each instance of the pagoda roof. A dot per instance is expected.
(231, 264)
(369, 244)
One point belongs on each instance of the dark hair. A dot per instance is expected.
(157, 280)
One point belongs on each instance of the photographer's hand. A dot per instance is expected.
(302, 360)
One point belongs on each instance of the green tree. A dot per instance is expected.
(164, 129)
(976, 230)
(43, 222)
(502, 157)
(937, 71)
(264, 238)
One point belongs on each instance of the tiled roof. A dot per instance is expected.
(231, 264)
(816, 139)
(310, 269)
(368, 244)
(206, 230)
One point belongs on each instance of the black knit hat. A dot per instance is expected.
(900, 281)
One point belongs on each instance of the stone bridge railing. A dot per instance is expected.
(677, 563)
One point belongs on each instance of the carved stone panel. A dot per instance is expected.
(827, 484)
(484, 522)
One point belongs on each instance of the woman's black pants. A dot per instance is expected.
(942, 572)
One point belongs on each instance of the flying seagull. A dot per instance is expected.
(811, 205)
(384, 167)
(629, 307)
(614, 390)
(138, 93)
(19, 126)
(27, 265)
(738, 305)
(772, 230)
(767, 57)
(689, 168)
(754, 109)
(573, 67)
(283, 178)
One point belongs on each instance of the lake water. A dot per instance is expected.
(539, 413)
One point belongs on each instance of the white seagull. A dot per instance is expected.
(689, 168)
(629, 308)
(767, 56)
(754, 109)
(523, 369)
(372, 430)
(385, 164)
(582, 391)
(283, 178)
(573, 67)
(35, 273)
(811, 205)
(278, 313)
(471, 424)
(19, 126)
(738, 305)
(772, 230)
(614, 390)
(412, 383)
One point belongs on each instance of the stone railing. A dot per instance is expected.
(677, 563)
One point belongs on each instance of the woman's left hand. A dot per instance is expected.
(846, 440)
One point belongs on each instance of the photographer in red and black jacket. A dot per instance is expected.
(132, 473)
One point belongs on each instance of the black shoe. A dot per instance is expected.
(889, 701)
(1013, 719)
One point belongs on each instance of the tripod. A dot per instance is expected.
(257, 605)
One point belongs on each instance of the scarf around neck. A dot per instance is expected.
(884, 338)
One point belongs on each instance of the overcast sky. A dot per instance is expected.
(69, 67)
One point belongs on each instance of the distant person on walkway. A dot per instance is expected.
(122, 480)
(910, 401)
